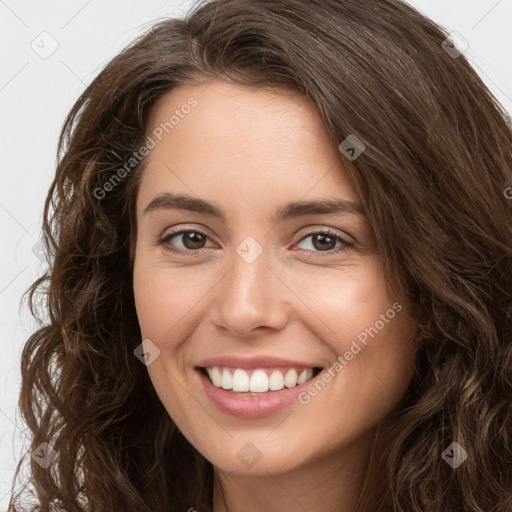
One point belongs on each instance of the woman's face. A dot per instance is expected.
(253, 291)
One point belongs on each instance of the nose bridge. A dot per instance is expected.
(248, 297)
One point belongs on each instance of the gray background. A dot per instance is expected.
(38, 89)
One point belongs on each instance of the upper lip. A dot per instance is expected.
(254, 362)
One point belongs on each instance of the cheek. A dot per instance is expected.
(161, 301)
(165, 298)
(371, 333)
(345, 301)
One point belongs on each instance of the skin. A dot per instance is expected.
(250, 151)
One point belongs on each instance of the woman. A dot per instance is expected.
(281, 272)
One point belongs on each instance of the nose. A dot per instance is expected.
(250, 298)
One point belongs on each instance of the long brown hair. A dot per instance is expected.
(432, 178)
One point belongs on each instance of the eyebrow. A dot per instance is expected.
(169, 201)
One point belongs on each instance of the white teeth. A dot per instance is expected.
(303, 376)
(259, 381)
(290, 379)
(215, 376)
(240, 380)
(227, 380)
(276, 381)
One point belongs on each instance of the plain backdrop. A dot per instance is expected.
(50, 52)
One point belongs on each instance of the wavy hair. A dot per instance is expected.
(433, 179)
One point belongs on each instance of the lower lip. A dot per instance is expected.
(247, 406)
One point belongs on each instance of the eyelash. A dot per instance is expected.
(347, 245)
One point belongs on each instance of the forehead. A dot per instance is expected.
(233, 100)
(239, 141)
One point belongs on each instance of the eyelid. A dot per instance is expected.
(319, 228)
(180, 231)
(303, 233)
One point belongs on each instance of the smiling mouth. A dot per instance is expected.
(259, 380)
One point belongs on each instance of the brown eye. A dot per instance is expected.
(191, 240)
(325, 242)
